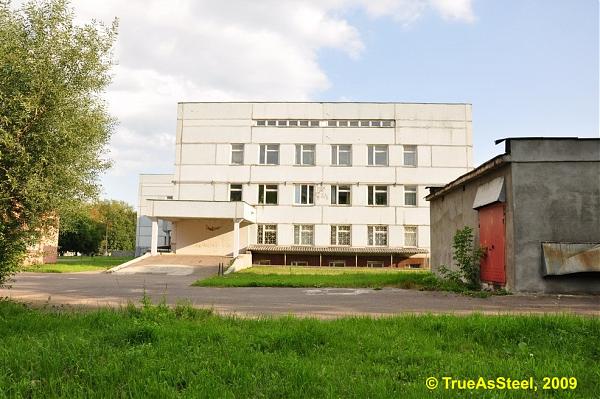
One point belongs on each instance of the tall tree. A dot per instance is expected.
(118, 220)
(54, 125)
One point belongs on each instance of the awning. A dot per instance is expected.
(187, 209)
(567, 258)
(303, 249)
(489, 193)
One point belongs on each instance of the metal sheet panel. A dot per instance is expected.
(489, 193)
(491, 237)
(567, 258)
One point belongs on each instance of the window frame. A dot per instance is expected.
(233, 151)
(408, 190)
(334, 234)
(373, 190)
(412, 150)
(335, 154)
(310, 194)
(264, 151)
(261, 233)
(240, 190)
(373, 263)
(372, 235)
(265, 191)
(301, 150)
(372, 152)
(414, 230)
(299, 229)
(335, 194)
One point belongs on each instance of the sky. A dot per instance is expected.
(529, 67)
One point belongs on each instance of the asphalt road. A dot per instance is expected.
(101, 289)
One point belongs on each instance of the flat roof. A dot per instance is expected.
(321, 102)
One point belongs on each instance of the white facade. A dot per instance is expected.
(397, 149)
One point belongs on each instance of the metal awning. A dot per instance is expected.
(304, 249)
(567, 258)
(489, 193)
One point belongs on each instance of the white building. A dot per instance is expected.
(305, 183)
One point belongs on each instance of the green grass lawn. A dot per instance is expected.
(159, 352)
(294, 276)
(70, 264)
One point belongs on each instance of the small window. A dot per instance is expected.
(378, 155)
(331, 123)
(410, 155)
(305, 194)
(305, 154)
(410, 236)
(341, 155)
(267, 194)
(340, 235)
(377, 195)
(304, 234)
(364, 123)
(271, 123)
(169, 197)
(414, 266)
(378, 235)
(298, 263)
(337, 263)
(264, 262)
(340, 195)
(376, 123)
(293, 123)
(343, 123)
(267, 234)
(261, 123)
(269, 154)
(237, 154)
(374, 263)
(281, 123)
(410, 195)
(314, 123)
(386, 123)
(353, 123)
(303, 123)
(235, 192)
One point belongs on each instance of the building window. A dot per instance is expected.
(304, 123)
(331, 123)
(364, 123)
(410, 195)
(340, 235)
(261, 123)
(341, 155)
(376, 123)
(377, 195)
(374, 263)
(314, 123)
(410, 236)
(267, 234)
(378, 155)
(386, 123)
(353, 123)
(237, 154)
(299, 263)
(337, 263)
(340, 195)
(305, 194)
(235, 192)
(378, 235)
(304, 234)
(269, 154)
(305, 154)
(343, 123)
(267, 194)
(271, 123)
(293, 123)
(410, 155)
(282, 123)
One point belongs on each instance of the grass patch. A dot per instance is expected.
(155, 351)
(281, 276)
(71, 264)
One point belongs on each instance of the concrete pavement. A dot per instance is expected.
(101, 289)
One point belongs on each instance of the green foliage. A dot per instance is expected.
(118, 220)
(73, 264)
(156, 351)
(82, 234)
(467, 257)
(53, 123)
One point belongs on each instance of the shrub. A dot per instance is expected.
(467, 257)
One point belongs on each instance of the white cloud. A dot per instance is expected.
(186, 50)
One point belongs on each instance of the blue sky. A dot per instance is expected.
(529, 67)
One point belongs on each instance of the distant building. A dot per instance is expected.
(338, 184)
(45, 250)
(536, 208)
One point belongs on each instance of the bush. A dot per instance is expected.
(467, 259)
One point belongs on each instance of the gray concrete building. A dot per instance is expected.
(536, 210)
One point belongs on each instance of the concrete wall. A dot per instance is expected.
(151, 187)
(207, 237)
(455, 210)
(556, 201)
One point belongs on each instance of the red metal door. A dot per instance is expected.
(491, 236)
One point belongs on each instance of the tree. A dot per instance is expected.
(119, 221)
(53, 123)
(80, 233)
